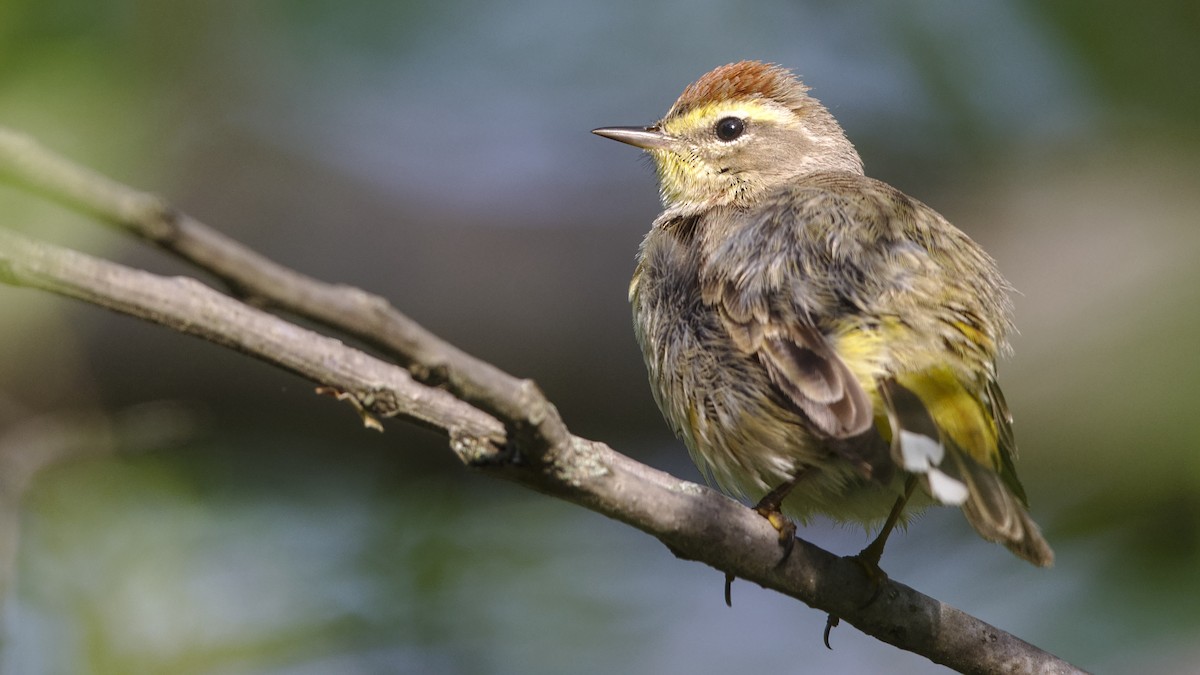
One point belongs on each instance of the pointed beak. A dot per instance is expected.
(647, 138)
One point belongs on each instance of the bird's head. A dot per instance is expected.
(737, 133)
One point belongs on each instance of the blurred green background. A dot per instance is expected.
(172, 507)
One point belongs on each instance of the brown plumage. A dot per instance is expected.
(806, 326)
(743, 80)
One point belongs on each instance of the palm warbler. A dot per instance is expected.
(822, 342)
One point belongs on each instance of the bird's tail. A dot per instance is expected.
(960, 444)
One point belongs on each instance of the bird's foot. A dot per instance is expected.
(769, 507)
(784, 526)
(868, 560)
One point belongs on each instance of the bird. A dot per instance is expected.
(823, 343)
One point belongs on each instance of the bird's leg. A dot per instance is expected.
(869, 557)
(770, 507)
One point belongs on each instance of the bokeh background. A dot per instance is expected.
(168, 506)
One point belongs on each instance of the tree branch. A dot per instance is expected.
(519, 403)
(486, 413)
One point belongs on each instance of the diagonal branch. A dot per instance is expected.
(188, 306)
(482, 410)
(532, 420)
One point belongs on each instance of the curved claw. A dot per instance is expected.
(786, 529)
(769, 507)
(868, 560)
(830, 624)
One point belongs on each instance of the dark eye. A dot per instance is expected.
(729, 128)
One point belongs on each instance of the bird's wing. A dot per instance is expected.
(776, 292)
(801, 364)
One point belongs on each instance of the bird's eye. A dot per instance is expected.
(729, 128)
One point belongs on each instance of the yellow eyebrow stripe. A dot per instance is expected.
(707, 114)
